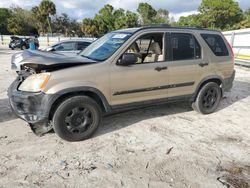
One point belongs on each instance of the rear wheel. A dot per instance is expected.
(77, 118)
(208, 98)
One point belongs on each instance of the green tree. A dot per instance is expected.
(89, 27)
(64, 25)
(131, 19)
(40, 19)
(119, 18)
(220, 14)
(21, 22)
(42, 14)
(147, 13)
(162, 16)
(47, 8)
(108, 19)
(75, 28)
(194, 20)
(105, 19)
(5, 14)
(245, 23)
(61, 24)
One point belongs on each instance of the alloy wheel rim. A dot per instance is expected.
(79, 120)
(209, 98)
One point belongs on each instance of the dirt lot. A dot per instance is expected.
(161, 146)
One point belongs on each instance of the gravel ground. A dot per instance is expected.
(162, 146)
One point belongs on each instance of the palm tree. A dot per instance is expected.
(47, 8)
(39, 18)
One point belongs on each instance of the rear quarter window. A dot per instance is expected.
(216, 44)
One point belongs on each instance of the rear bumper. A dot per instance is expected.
(228, 82)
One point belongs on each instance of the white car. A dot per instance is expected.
(64, 48)
(72, 46)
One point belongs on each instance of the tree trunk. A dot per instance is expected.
(49, 26)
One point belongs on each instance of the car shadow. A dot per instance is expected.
(240, 90)
(121, 120)
(6, 51)
(6, 113)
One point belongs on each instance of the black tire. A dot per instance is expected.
(23, 47)
(77, 118)
(208, 98)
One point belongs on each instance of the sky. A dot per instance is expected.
(79, 9)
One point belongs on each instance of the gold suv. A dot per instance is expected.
(124, 69)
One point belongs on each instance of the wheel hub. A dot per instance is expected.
(209, 98)
(78, 120)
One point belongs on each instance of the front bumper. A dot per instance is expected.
(32, 107)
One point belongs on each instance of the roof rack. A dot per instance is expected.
(169, 26)
(160, 26)
(174, 27)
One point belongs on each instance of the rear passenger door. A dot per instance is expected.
(188, 64)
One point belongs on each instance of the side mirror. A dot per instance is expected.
(127, 59)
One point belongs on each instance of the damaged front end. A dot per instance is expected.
(26, 95)
(31, 107)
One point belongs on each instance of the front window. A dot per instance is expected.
(148, 48)
(104, 47)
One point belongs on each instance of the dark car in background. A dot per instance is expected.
(22, 43)
(17, 42)
(72, 46)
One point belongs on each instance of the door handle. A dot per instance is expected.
(203, 64)
(160, 68)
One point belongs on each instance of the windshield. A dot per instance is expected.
(104, 47)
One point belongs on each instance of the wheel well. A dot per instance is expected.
(90, 94)
(215, 80)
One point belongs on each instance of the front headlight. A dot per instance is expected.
(35, 82)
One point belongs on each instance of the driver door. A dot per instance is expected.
(144, 80)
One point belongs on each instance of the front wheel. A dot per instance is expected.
(77, 118)
(208, 98)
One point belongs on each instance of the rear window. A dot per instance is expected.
(216, 44)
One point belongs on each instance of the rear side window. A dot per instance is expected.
(82, 45)
(66, 46)
(185, 46)
(216, 44)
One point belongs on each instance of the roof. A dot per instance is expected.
(76, 40)
(136, 29)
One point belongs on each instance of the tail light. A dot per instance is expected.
(231, 48)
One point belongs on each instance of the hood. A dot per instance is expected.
(40, 60)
